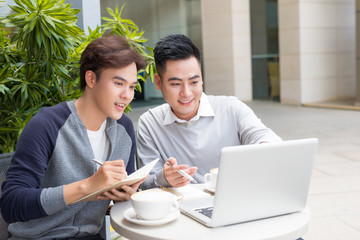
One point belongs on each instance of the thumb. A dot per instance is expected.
(172, 161)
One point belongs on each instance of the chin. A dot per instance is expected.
(116, 116)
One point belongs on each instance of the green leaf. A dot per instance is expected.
(152, 73)
(16, 8)
(8, 129)
(111, 12)
(122, 8)
(141, 78)
(49, 21)
(106, 19)
(138, 87)
(3, 89)
(30, 4)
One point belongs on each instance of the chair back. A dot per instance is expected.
(5, 161)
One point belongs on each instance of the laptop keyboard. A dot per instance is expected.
(207, 211)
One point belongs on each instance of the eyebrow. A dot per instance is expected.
(193, 77)
(179, 79)
(123, 79)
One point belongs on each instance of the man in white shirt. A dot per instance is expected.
(190, 130)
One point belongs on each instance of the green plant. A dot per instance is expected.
(39, 61)
(128, 29)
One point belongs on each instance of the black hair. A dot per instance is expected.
(174, 47)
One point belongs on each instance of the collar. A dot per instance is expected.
(205, 110)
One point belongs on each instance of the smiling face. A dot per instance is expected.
(181, 85)
(113, 91)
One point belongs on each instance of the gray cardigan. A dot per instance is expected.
(52, 151)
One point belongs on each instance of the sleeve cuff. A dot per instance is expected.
(155, 180)
(273, 138)
(160, 179)
(52, 200)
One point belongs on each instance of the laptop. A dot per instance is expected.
(256, 182)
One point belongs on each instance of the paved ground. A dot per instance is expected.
(334, 197)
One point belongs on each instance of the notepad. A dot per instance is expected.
(136, 176)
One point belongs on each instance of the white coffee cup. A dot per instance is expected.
(211, 177)
(153, 205)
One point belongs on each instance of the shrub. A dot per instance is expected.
(40, 49)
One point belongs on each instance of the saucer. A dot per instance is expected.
(130, 215)
(209, 188)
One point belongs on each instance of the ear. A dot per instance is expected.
(90, 78)
(157, 81)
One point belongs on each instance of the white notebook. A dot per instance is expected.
(132, 178)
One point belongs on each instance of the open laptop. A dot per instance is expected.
(257, 181)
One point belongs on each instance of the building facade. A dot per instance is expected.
(315, 59)
(294, 51)
(317, 49)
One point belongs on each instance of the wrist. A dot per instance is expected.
(83, 187)
(76, 190)
(160, 178)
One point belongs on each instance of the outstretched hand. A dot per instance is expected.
(174, 178)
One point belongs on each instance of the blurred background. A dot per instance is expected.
(297, 52)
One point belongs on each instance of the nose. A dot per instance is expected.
(185, 91)
(127, 94)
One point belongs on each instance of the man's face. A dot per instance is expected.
(114, 91)
(181, 85)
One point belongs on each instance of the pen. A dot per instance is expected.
(184, 174)
(98, 162)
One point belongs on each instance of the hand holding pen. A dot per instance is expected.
(176, 175)
(115, 170)
(121, 170)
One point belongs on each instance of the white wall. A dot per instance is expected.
(91, 14)
(317, 50)
(226, 48)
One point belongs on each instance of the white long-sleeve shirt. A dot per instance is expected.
(220, 121)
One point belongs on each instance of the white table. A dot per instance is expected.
(287, 227)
